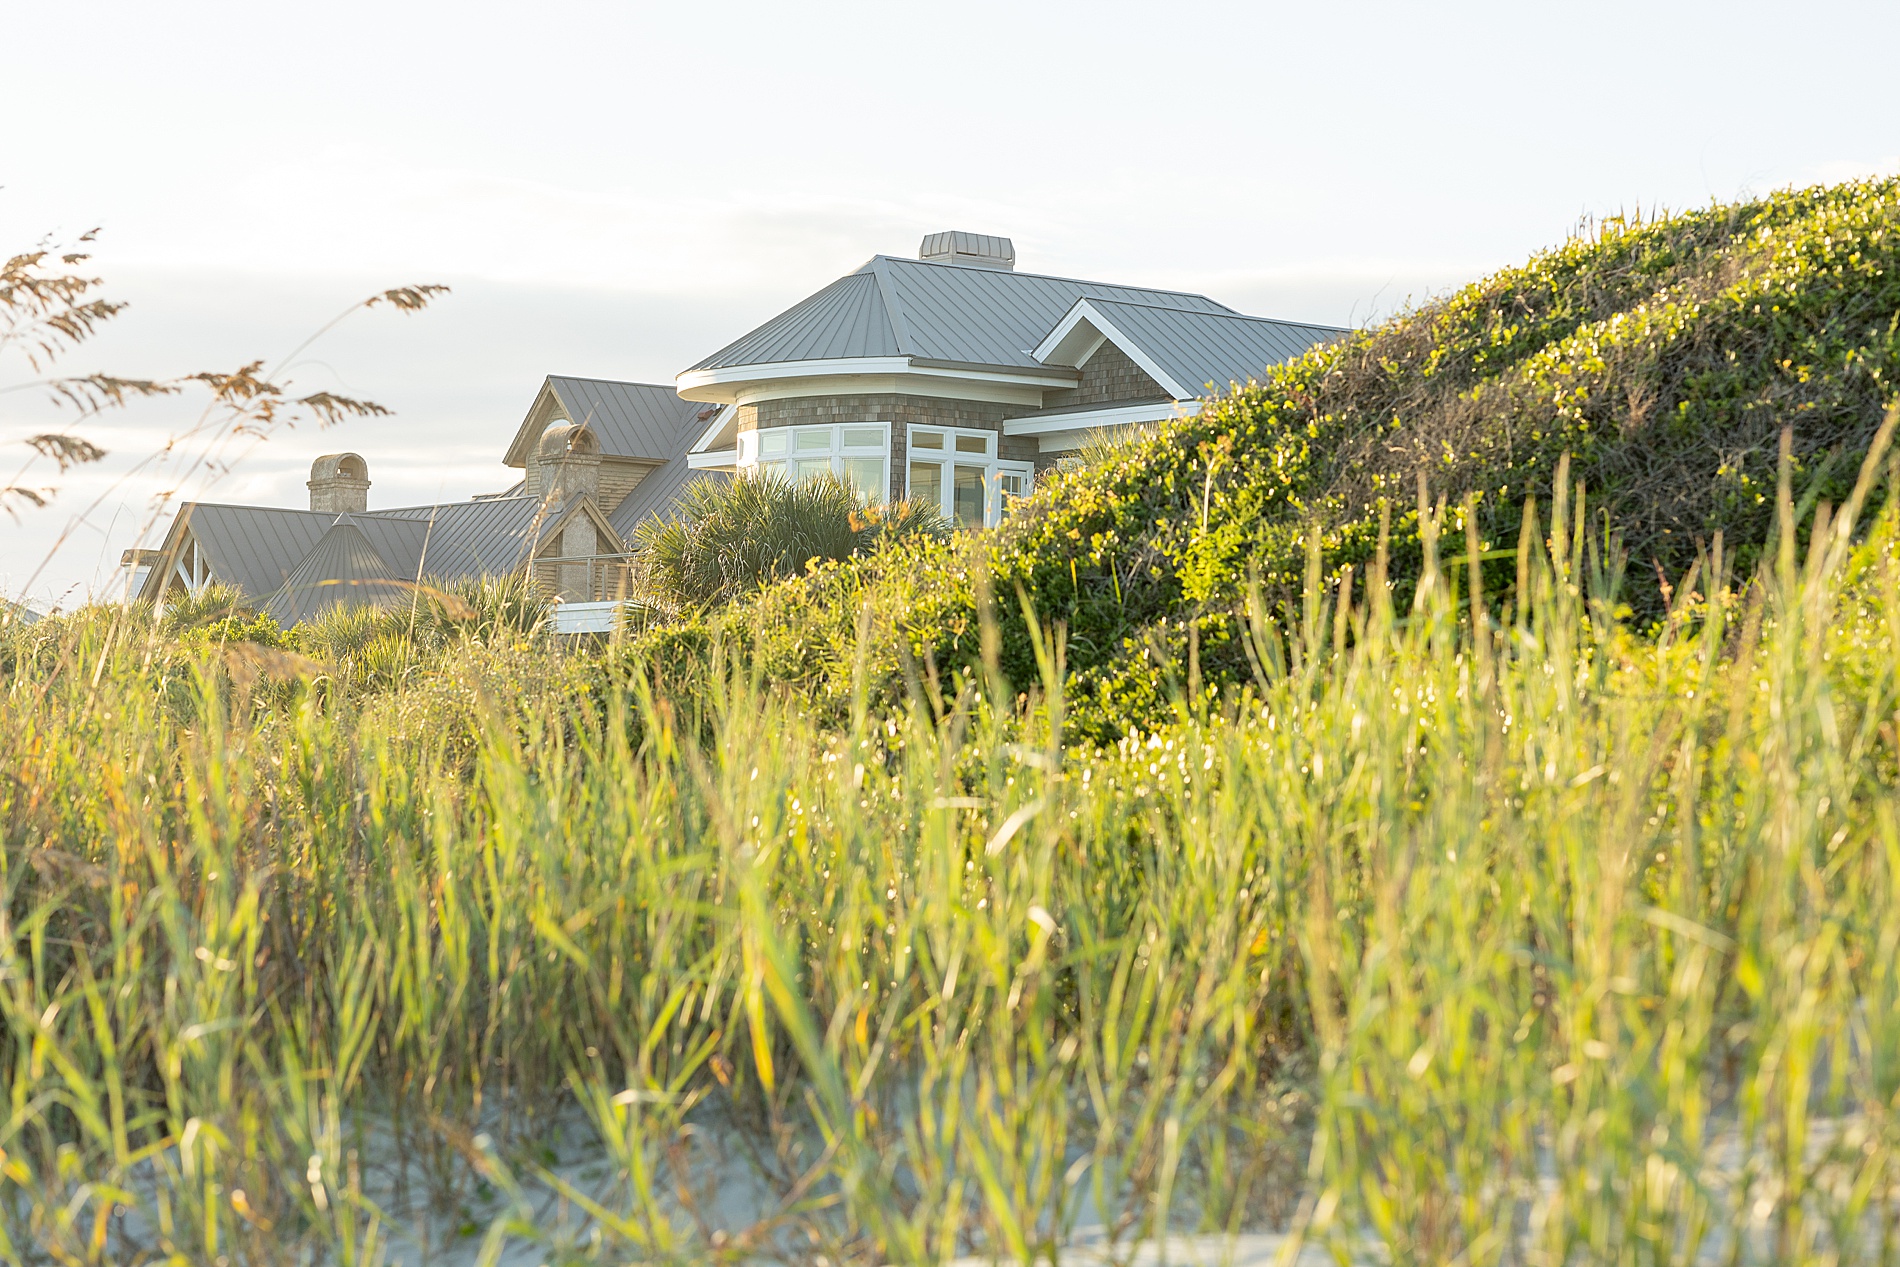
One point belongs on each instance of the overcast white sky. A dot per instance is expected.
(619, 189)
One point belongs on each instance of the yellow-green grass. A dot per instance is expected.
(1524, 940)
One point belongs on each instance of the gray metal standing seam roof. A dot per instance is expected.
(1199, 349)
(491, 537)
(398, 541)
(633, 420)
(656, 496)
(636, 420)
(259, 548)
(254, 547)
(341, 570)
(933, 311)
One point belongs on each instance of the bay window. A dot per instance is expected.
(959, 472)
(856, 452)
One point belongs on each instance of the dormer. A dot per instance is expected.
(634, 428)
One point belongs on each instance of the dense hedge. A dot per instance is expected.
(1664, 355)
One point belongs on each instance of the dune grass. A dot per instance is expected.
(1463, 934)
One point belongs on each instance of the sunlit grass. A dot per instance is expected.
(1534, 942)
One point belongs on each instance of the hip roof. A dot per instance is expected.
(933, 311)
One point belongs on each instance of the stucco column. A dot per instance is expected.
(578, 540)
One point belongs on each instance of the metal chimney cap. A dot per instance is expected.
(979, 250)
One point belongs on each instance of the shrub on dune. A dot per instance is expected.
(733, 537)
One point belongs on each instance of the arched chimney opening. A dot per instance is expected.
(569, 458)
(339, 484)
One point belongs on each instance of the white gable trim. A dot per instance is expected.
(720, 422)
(1081, 333)
(550, 533)
(520, 450)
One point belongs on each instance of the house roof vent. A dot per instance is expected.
(980, 250)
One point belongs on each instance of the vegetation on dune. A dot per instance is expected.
(1519, 939)
(1663, 355)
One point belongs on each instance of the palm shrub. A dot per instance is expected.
(732, 537)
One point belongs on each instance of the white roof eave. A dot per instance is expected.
(724, 384)
(1096, 419)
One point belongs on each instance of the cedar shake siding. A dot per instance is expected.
(1108, 377)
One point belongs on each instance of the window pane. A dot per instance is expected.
(771, 443)
(772, 470)
(864, 437)
(973, 444)
(811, 468)
(1009, 486)
(967, 497)
(926, 440)
(866, 476)
(926, 483)
(814, 439)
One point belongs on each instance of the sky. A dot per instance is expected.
(619, 189)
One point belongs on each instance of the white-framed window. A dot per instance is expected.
(856, 452)
(959, 470)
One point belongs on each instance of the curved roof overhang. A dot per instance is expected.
(733, 384)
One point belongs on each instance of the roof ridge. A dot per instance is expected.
(469, 501)
(246, 506)
(893, 306)
(1047, 277)
(617, 382)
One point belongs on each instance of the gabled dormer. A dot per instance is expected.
(639, 427)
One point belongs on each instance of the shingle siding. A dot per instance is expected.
(1108, 377)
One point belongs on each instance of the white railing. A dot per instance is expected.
(587, 618)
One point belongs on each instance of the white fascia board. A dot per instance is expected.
(721, 384)
(1082, 310)
(712, 431)
(1097, 419)
(1065, 441)
(714, 460)
(1069, 331)
(725, 384)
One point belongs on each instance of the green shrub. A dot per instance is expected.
(732, 536)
